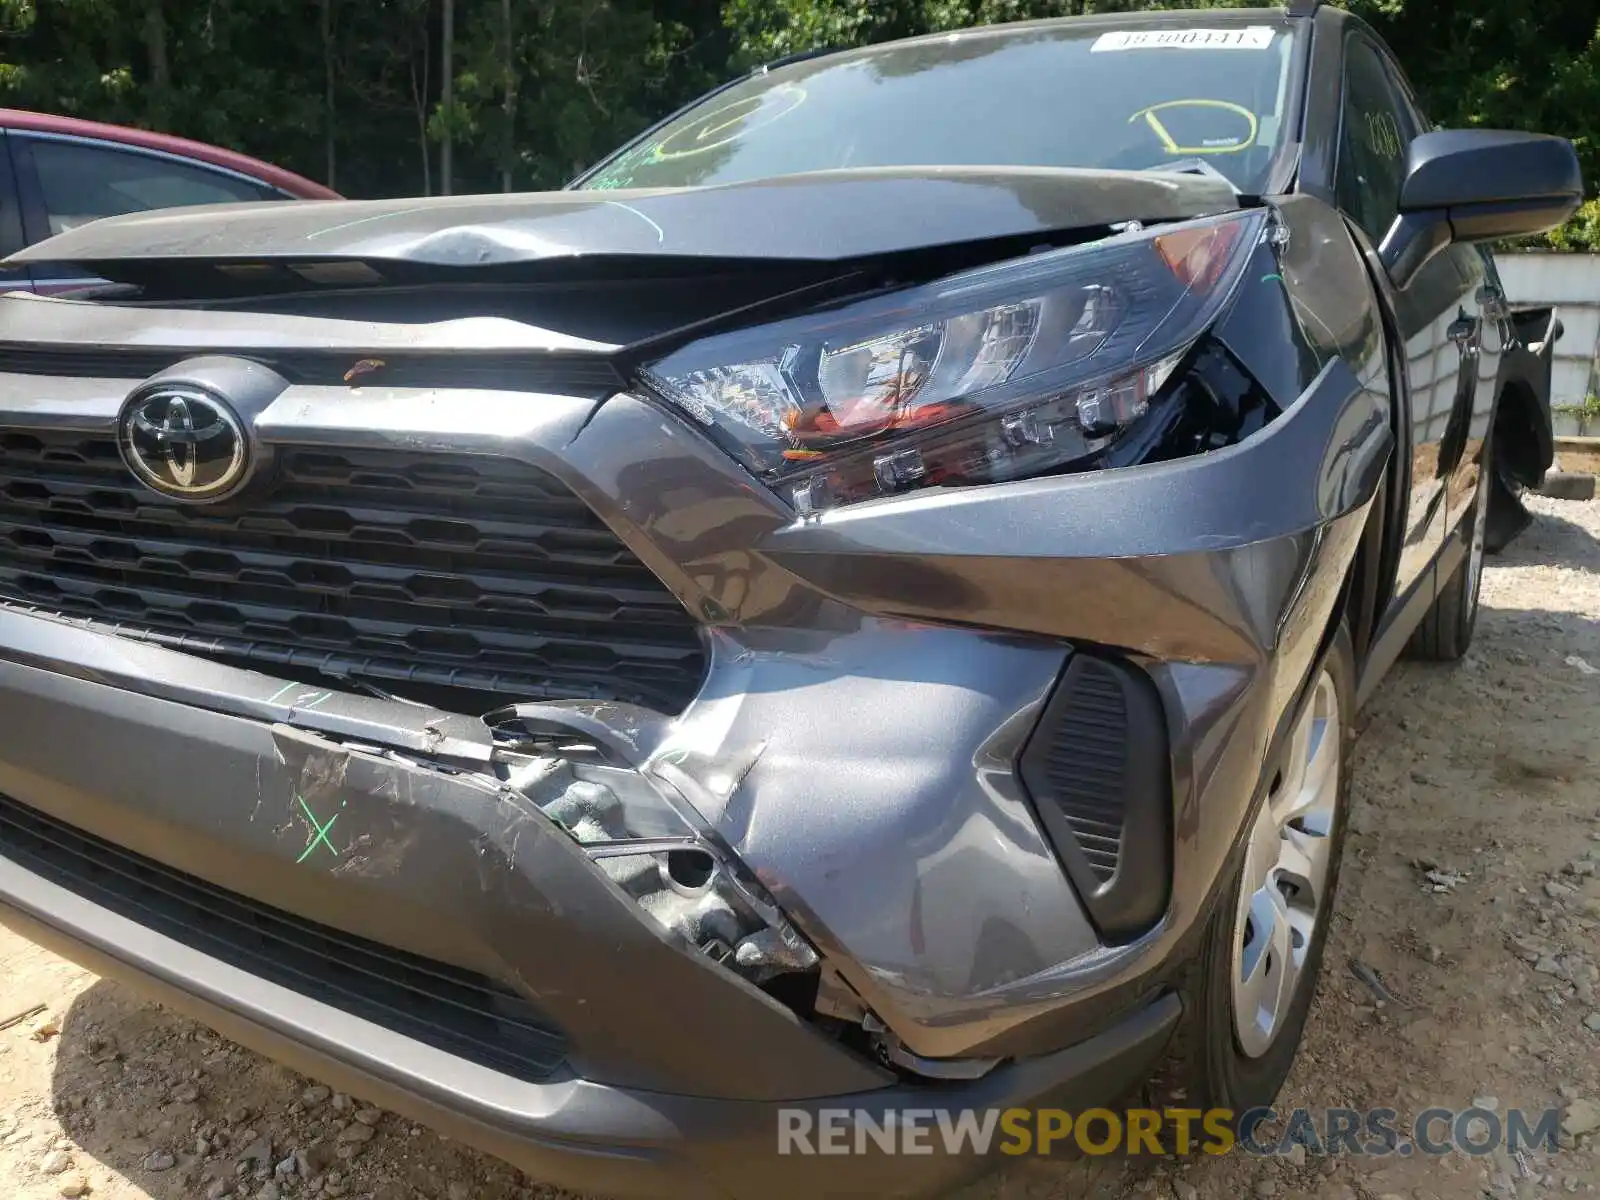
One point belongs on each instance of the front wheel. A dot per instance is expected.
(1251, 988)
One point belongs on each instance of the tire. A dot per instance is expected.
(1445, 632)
(1218, 1059)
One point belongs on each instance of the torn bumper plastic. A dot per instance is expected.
(390, 826)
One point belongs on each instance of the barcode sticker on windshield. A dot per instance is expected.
(1255, 37)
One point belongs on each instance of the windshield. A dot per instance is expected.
(1076, 94)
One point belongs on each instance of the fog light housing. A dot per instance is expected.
(647, 844)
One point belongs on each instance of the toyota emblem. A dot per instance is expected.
(183, 443)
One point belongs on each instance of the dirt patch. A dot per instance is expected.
(1465, 899)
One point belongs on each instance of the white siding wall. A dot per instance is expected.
(1572, 283)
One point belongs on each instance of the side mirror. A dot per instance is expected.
(1478, 185)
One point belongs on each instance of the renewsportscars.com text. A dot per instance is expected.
(1097, 1131)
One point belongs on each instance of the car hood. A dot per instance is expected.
(818, 217)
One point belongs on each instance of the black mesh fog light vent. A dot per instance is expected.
(1098, 769)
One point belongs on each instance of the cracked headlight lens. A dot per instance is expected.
(1018, 369)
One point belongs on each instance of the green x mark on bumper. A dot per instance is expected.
(319, 834)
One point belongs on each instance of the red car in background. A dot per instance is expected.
(57, 173)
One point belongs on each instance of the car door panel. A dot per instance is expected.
(1479, 334)
(1425, 311)
(1437, 313)
(1485, 321)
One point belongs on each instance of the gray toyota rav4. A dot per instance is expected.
(858, 603)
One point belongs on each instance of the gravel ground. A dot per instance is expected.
(1484, 775)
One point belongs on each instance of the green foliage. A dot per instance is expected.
(1499, 64)
(766, 30)
(1589, 410)
(255, 74)
(1581, 233)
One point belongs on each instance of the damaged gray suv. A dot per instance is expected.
(842, 608)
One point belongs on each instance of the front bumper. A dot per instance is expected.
(455, 872)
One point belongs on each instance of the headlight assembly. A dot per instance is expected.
(1017, 369)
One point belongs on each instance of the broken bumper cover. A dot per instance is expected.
(662, 1069)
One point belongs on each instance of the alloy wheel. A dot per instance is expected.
(1286, 874)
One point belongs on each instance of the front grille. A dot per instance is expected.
(457, 1011)
(459, 580)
